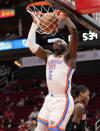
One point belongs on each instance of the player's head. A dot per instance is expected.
(60, 46)
(81, 93)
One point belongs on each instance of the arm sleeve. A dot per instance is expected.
(31, 41)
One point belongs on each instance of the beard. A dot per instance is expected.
(59, 51)
(56, 50)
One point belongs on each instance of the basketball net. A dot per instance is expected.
(39, 9)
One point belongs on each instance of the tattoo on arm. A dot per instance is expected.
(78, 113)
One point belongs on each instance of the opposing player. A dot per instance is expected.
(77, 121)
(58, 105)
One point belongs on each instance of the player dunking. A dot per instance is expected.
(58, 105)
(77, 121)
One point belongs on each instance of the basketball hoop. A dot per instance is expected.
(40, 10)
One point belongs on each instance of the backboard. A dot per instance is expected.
(68, 7)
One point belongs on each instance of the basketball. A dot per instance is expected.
(49, 22)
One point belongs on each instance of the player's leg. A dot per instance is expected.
(41, 127)
(60, 114)
(43, 117)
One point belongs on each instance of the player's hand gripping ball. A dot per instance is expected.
(49, 22)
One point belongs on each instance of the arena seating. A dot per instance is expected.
(91, 81)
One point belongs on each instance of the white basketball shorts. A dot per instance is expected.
(56, 111)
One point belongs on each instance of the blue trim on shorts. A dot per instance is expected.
(44, 122)
(65, 113)
(67, 103)
(54, 129)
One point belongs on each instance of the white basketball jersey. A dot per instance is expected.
(58, 75)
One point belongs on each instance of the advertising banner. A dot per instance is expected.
(7, 13)
(13, 44)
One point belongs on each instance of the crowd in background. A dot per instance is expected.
(7, 111)
(8, 115)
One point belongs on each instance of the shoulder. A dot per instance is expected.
(79, 108)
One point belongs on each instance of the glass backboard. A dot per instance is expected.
(92, 21)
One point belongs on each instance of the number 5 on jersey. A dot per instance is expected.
(50, 74)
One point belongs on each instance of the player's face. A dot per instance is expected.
(59, 47)
(86, 97)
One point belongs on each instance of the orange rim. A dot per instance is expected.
(37, 4)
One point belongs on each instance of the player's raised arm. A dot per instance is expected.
(35, 48)
(73, 46)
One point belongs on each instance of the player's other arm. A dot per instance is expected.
(73, 46)
(77, 115)
(35, 48)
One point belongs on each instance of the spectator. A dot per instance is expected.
(43, 84)
(28, 101)
(21, 102)
(34, 124)
(42, 97)
(9, 114)
(10, 124)
(29, 123)
(12, 105)
(3, 123)
(8, 101)
(22, 126)
(19, 88)
(35, 83)
(35, 113)
(93, 121)
(97, 115)
(40, 104)
(1, 114)
(94, 93)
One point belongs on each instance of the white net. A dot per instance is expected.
(39, 12)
